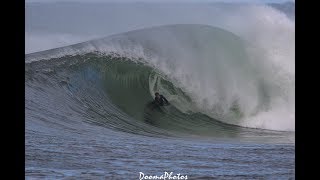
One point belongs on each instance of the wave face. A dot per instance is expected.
(208, 74)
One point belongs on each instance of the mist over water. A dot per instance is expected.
(82, 21)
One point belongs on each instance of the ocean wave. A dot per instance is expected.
(201, 69)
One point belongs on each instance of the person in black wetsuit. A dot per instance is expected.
(159, 100)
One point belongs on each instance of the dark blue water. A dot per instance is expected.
(85, 151)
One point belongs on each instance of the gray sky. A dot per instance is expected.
(50, 26)
(236, 1)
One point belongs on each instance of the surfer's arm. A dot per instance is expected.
(165, 100)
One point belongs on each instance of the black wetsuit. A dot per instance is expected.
(160, 101)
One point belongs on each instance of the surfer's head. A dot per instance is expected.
(156, 94)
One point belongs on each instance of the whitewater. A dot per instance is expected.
(230, 83)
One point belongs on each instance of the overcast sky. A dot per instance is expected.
(236, 1)
(50, 27)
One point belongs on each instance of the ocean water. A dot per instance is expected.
(231, 112)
